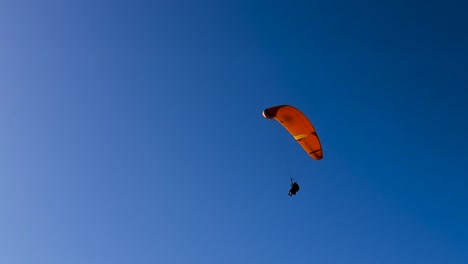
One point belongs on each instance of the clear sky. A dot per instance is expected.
(131, 132)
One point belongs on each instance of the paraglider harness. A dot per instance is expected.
(294, 188)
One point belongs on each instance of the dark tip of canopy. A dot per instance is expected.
(270, 113)
(267, 114)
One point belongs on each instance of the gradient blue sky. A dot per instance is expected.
(131, 132)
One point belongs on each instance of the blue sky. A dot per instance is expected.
(131, 132)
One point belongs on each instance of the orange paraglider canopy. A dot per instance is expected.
(298, 126)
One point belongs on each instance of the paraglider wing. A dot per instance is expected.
(298, 126)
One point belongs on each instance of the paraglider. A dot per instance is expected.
(294, 188)
(299, 126)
